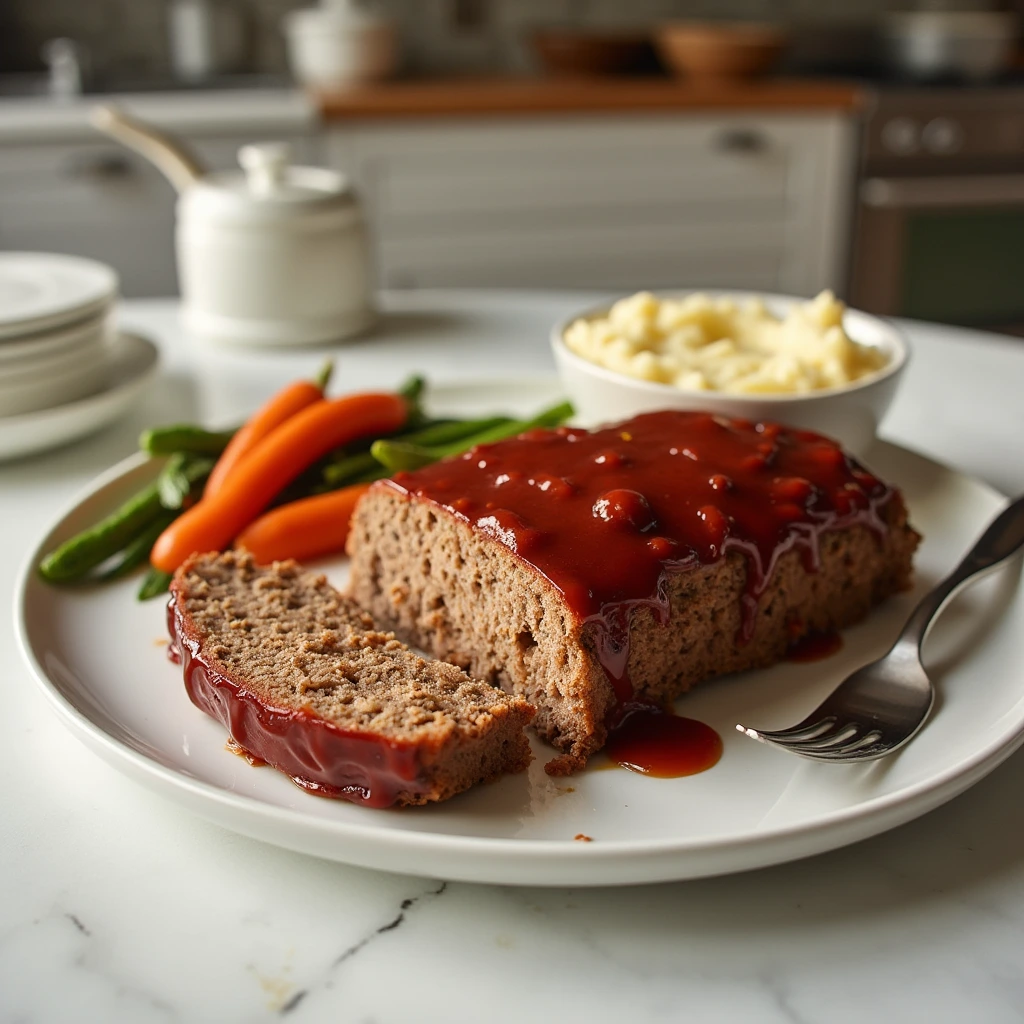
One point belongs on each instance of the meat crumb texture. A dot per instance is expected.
(712, 546)
(303, 680)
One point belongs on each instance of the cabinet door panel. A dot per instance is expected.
(471, 169)
(754, 271)
(661, 255)
(484, 183)
(619, 200)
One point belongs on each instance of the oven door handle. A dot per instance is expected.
(932, 193)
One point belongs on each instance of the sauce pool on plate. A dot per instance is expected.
(659, 743)
(815, 647)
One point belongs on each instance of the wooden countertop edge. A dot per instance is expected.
(469, 97)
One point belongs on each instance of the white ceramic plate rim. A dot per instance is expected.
(895, 343)
(57, 322)
(96, 283)
(53, 344)
(56, 367)
(653, 858)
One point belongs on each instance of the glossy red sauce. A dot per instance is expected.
(699, 487)
(316, 754)
(605, 515)
(815, 647)
(659, 743)
(239, 751)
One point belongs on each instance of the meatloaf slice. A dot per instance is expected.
(585, 571)
(302, 679)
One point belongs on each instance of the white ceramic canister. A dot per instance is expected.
(273, 256)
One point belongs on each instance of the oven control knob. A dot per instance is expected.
(941, 135)
(901, 136)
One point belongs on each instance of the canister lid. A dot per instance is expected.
(269, 188)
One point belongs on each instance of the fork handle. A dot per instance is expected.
(1004, 536)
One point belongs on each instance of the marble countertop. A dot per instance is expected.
(118, 906)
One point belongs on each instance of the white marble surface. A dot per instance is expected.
(117, 906)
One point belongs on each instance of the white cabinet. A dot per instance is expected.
(620, 202)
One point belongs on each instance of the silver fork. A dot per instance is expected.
(881, 706)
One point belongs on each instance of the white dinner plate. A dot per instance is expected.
(41, 290)
(100, 659)
(37, 349)
(131, 364)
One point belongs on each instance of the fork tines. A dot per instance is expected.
(826, 740)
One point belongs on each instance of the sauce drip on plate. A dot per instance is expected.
(815, 647)
(656, 742)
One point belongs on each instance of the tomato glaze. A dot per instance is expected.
(365, 769)
(606, 515)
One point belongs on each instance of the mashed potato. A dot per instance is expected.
(700, 343)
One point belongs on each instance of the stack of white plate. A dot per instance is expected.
(65, 368)
(56, 330)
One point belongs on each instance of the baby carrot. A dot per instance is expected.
(307, 528)
(211, 524)
(280, 407)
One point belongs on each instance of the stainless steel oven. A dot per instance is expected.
(940, 218)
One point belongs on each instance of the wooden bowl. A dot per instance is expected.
(579, 54)
(719, 51)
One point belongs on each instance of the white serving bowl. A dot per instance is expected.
(849, 414)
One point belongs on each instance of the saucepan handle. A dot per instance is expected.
(170, 157)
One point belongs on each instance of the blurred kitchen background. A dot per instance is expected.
(871, 147)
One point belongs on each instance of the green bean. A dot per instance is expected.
(80, 554)
(552, 417)
(362, 467)
(362, 444)
(323, 378)
(346, 469)
(398, 455)
(412, 388)
(76, 556)
(184, 438)
(137, 551)
(155, 584)
(178, 477)
(445, 433)
(412, 391)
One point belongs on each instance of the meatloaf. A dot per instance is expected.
(587, 571)
(304, 681)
